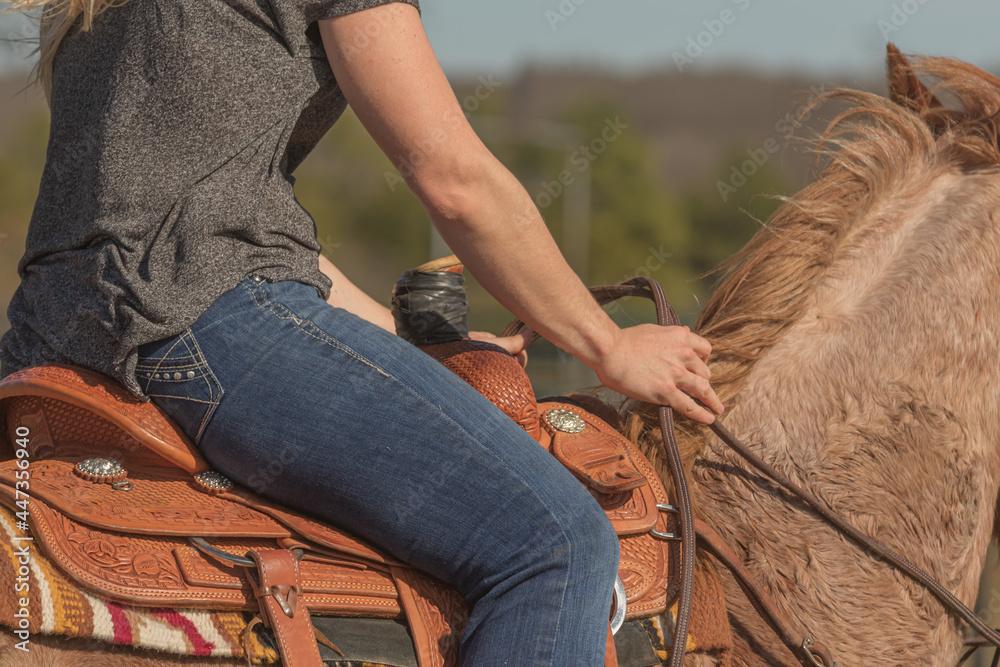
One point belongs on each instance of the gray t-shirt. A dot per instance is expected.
(176, 126)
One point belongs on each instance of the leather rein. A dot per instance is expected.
(695, 533)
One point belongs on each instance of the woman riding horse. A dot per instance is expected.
(167, 250)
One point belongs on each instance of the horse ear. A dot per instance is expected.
(905, 88)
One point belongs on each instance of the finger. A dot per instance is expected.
(512, 344)
(698, 366)
(515, 344)
(687, 406)
(526, 333)
(700, 346)
(698, 387)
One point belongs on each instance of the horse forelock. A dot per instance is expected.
(893, 172)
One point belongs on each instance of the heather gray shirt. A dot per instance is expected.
(176, 126)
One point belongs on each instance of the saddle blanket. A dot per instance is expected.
(57, 606)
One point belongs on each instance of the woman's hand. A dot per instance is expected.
(662, 365)
(517, 344)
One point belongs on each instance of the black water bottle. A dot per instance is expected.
(429, 304)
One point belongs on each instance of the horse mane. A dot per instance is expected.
(873, 147)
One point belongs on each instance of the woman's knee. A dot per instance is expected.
(592, 540)
(576, 545)
(581, 538)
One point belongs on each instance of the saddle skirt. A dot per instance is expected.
(128, 538)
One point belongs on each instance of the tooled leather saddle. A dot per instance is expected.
(123, 503)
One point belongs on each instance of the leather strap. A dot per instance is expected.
(974, 644)
(760, 599)
(665, 315)
(278, 588)
(436, 617)
(610, 652)
(948, 600)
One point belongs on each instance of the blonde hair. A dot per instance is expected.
(54, 20)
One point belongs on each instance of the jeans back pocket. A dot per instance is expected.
(175, 375)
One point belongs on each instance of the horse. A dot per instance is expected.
(855, 345)
(855, 340)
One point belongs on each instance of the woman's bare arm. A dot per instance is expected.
(399, 92)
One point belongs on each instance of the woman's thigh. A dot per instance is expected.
(330, 414)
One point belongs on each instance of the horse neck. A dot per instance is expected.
(882, 400)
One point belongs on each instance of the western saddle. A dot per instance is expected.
(123, 503)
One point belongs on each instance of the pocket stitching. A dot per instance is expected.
(215, 390)
(333, 342)
(326, 338)
(217, 397)
(185, 398)
(198, 355)
(160, 361)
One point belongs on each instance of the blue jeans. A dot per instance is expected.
(315, 408)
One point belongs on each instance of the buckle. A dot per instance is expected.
(675, 537)
(286, 600)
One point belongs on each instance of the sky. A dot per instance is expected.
(475, 37)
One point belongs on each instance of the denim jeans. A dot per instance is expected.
(315, 408)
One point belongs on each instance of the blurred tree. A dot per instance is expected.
(726, 215)
(637, 227)
(22, 158)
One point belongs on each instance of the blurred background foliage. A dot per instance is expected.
(645, 213)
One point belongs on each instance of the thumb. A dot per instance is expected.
(516, 345)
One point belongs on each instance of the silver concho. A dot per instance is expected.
(565, 421)
(212, 481)
(101, 470)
